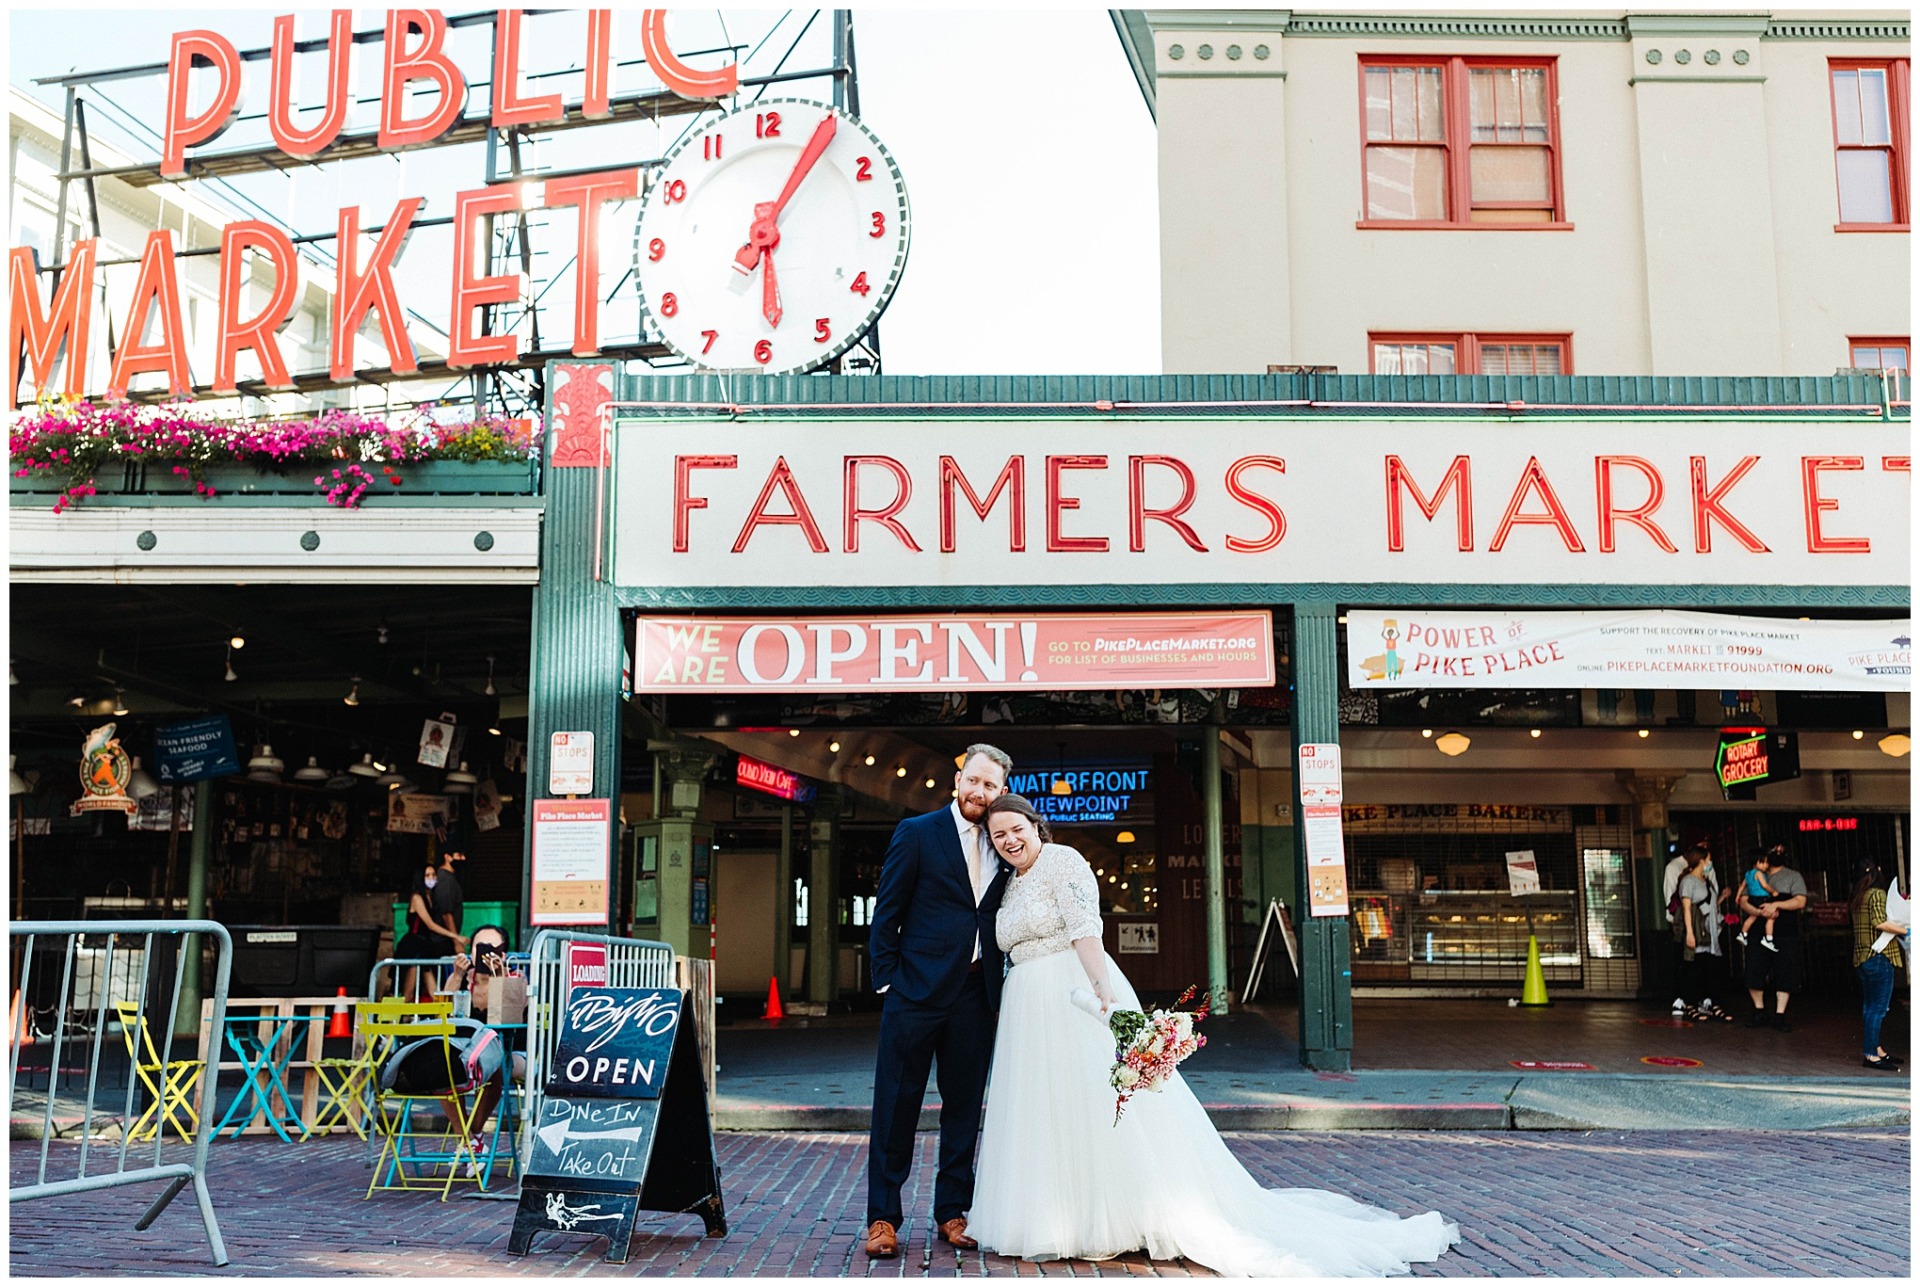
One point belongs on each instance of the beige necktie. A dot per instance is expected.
(974, 859)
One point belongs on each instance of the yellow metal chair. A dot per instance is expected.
(412, 1158)
(170, 1082)
(346, 1085)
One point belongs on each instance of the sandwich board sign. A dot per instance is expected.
(624, 1125)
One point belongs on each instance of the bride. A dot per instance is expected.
(1058, 1178)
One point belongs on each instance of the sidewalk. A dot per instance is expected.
(816, 1074)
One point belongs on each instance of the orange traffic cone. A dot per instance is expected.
(20, 1036)
(773, 1010)
(341, 1026)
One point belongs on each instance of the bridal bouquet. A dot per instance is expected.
(1149, 1046)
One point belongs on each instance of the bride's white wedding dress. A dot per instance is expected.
(1057, 1177)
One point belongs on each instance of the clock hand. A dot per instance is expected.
(765, 232)
(769, 289)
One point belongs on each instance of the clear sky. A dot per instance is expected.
(1027, 149)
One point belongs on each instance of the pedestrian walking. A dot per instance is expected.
(1677, 867)
(1699, 931)
(1875, 961)
(1782, 970)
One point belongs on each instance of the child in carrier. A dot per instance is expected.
(1759, 893)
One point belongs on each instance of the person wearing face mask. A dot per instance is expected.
(434, 907)
(1062, 1178)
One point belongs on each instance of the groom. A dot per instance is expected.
(937, 962)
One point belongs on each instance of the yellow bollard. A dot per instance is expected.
(1534, 990)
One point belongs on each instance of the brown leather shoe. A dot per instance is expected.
(883, 1243)
(954, 1233)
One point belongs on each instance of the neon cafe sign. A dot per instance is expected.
(204, 66)
(774, 780)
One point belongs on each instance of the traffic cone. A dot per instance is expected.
(341, 1025)
(773, 1010)
(15, 1033)
(1534, 990)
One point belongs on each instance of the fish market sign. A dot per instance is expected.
(105, 771)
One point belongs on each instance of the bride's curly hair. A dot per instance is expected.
(1011, 803)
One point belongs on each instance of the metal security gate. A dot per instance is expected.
(105, 998)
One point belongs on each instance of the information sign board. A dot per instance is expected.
(570, 764)
(571, 845)
(194, 750)
(1320, 795)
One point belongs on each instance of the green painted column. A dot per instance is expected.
(1216, 859)
(1326, 962)
(574, 676)
(823, 899)
(186, 1021)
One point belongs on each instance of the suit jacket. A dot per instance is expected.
(925, 919)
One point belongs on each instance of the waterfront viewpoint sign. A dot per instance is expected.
(423, 95)
(702, 502)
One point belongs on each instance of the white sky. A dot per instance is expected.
(1027, 148)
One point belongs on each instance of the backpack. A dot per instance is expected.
(420, 1067)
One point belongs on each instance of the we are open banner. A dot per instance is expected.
(1414, 648)
(1006, 652)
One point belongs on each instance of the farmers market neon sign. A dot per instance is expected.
(205, 67)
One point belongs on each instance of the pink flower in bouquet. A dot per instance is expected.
(1149, 1046)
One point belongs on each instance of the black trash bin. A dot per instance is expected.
(302, 960)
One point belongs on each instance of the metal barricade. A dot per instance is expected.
(631, 963)
(84, 1007)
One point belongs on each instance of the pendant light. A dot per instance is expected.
(1452, 743)
(140, 784)
(312, 772)
(265, 766)
(230, 675)
(119, 701)
(1895, 744)
(461, 782)
(490, 690)
(353, 694)
(365, 768)
(16, 785)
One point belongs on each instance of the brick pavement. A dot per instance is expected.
(1560, 1204)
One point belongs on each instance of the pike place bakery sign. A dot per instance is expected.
(717, 502)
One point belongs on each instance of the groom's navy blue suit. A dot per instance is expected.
(939, 1005)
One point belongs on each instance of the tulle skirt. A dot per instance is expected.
(1058, 1178)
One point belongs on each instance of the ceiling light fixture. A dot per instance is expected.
(869, 761)
(793, 732)
(265, 766)
(931, 784)
(490, 690)
(119, 701)
(311, 772)
(1533, 732)
(238, 641)
(16, 785)
(461, 782)
(900, 771)
(11, 677)
(353, 694)
(1451, 743)
(494, 728)
(392, 778)
(1426, 732)
(1896, 744)
(365, 768)
(834, 746)
(1124, 838)
(231, 676)
(140, 783)
(78, 699)
(1641, 732)
(1859, 734)
(380, 633)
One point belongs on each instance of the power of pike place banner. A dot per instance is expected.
(1006, 652)
(1412, 648)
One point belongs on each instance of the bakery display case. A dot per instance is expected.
(1481, 936)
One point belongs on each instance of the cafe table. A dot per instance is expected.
(274, 1043)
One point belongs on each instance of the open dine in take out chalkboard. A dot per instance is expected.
(624, 1126)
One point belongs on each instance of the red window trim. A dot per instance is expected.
(1466, 356)
(1880, 342)
(1899, 91)
(1456, 110)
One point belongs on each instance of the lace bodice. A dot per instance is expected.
(1054, 902)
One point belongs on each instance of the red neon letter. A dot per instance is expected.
(1709, 505)
(1534, 479)
(1057, 504)
(676, 75)
(902, 493)
(287, 136)
(589, 192)
(464, 348)
(429, 62)
(157, 282)
(39, 334)
(1641, 515)
(683, 501)
(508, 107)
(257, 332)
(1459, 474)
(594, 104)
(1276, 519)
(1818, 542)
(802, 517)
(182, 129)
(1012, 479)
(372, 287)
(1138, 514)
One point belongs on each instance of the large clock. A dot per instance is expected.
(771, 239)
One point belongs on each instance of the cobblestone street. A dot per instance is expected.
(1529, 1203)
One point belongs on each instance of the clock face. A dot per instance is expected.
(771, 239)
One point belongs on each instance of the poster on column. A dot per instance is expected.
(571, 849)
(942, 653)
(1655, 648)
(1320, 797)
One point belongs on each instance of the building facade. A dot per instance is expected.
(1530, 193)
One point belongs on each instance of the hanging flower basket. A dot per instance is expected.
(75, 450)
